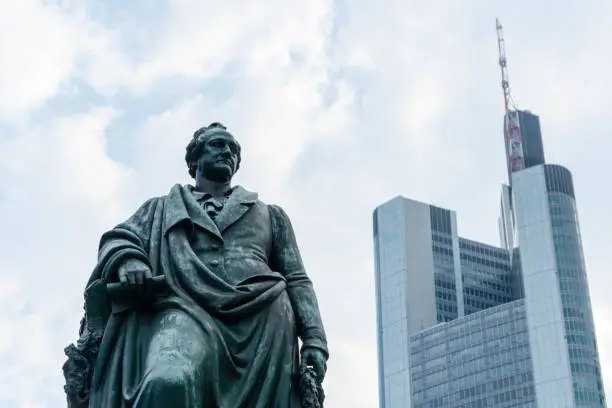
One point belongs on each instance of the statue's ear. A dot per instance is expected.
(192, 170)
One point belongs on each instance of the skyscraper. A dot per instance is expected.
(467, 324)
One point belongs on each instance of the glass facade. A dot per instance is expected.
(466, 324)
(405, 291)
(573, 286)
(487, 276)
(533, 148)
(551, 368)
(564, 348)
(518, 288)
(479, 361)
(444, 267)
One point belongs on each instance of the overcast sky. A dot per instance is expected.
(339, 105)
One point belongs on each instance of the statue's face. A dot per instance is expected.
(219, 158)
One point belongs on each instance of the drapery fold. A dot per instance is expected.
(220, 343)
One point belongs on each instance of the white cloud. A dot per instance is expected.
(38, 54)
(277, 105)
(63, 192)
(64, 160)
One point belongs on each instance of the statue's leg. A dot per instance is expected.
(175, 363)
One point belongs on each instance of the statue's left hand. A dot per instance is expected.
(316, 359)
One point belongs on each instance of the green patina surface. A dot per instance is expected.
(198, 300)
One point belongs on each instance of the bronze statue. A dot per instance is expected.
(198, 300)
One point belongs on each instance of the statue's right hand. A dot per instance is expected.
(134, 273)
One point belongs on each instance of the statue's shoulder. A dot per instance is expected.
(154, 203)
(278, 215)
(275, 208)
(155, 200)
(176, 192)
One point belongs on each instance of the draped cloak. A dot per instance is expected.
(239, 299)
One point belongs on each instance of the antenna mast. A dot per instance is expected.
(513, 129)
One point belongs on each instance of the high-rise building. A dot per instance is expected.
(467, 324)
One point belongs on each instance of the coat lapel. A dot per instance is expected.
(238, 203)
(182, 206)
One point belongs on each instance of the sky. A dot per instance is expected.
(339, 107)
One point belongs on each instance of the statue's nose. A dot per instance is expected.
(226, 152)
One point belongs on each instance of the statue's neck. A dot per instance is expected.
(215, 189)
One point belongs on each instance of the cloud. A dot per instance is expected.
(38, 55)
(45, 45)
(339, 106)
(63, 191)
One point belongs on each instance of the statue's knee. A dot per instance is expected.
(168, 379)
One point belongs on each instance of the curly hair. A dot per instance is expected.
(195, 146)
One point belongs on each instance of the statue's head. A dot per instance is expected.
(213, 153)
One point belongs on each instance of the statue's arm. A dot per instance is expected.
(286, 259)
(128, 241)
